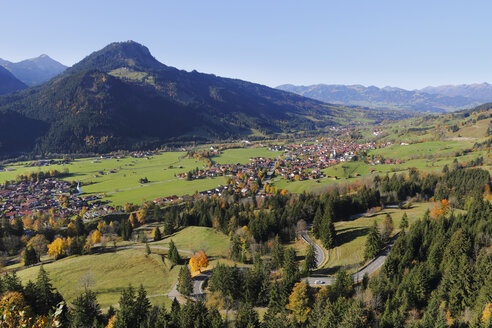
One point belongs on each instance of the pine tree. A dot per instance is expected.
(30, 256)
(404, 221)
(142, 306)
(47, 297)
(373, 243)
(173, 254)
(126, 317)
(290, 272)
(277, 253)
(156, 234)
(86, 310)
(247, 317)
(318, 217)
(310, 260)
(328, 234)
(185, 286)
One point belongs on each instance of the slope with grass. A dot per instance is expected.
(110, 273)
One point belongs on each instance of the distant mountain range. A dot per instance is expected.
(34, 71)
(121, 97)
(431, 99)
(9, 83)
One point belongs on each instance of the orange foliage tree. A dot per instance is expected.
(198, 261)
(441, 208)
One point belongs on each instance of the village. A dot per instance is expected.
(29, 197)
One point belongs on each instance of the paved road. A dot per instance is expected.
(320, 255)
(370, 268)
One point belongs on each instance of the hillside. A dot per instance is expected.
(34, 71)
(122, 98)
(8, 82)
(383, 98)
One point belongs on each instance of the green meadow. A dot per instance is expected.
(112, 271)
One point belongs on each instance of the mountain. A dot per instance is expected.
(121, 97)
(34, 71)
(8, 82)
(383, 98)
(481, 92)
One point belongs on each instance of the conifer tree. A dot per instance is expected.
(184, 281)
(173, 254)
(404, 221)
(142, 306)
(156, 234)
(30, 256)
(86, 310)
(373, 243)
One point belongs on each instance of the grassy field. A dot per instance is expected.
(352, 235)
(119, 178)
(215, 244)
(242, 155)
(111, 273)
(424, 149)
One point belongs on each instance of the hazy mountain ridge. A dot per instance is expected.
(383, 98)
(477, 91)
(9, 83)
(34, 71)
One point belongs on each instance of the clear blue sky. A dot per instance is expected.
(409, 44)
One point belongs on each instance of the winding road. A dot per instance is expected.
(369, 269)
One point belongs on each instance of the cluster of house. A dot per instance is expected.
(299, 161)
(23, 198)
(306, 161)
(48, 162)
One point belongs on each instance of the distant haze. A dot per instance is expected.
(430, 99)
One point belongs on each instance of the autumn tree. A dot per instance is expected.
(299, 302)
(440, 209)
(198, 261)
(58, 248)
(39, 244)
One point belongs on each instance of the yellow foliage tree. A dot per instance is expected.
(487, 312)
(198, 261)
(299, 302)
(58, 248)
(96, 237)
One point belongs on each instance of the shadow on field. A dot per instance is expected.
(348, 234)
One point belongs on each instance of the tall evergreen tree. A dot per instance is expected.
(142, 306)
(30, 256)
(86, 310)
(185, 286)
(373, 242)
(173, 254)
(47, 296)
(404, 221)
(309, 260)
